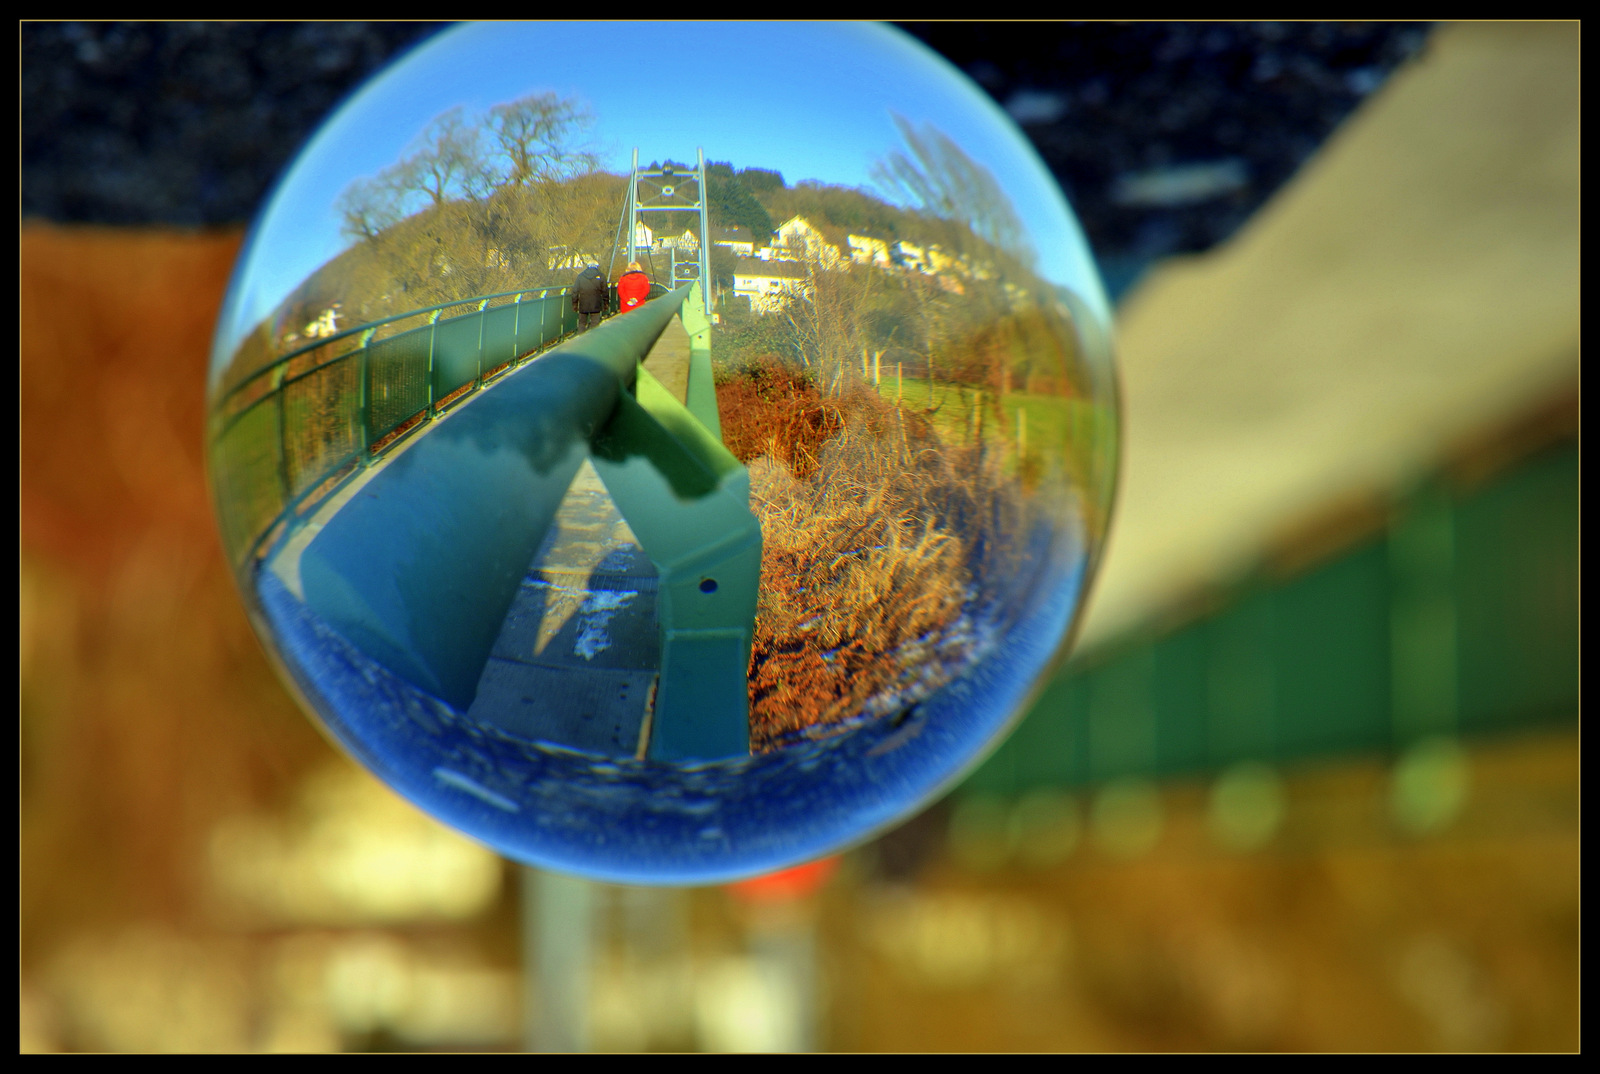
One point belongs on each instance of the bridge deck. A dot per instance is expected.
(668, 360)
(576, 662)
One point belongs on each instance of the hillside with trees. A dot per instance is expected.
(477, 205)
(513, 199)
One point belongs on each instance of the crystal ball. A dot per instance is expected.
(665, 453)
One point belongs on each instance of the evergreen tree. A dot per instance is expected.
(760, 180)
(732, 205)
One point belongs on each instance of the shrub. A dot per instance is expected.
(866, 574)
(770, 409)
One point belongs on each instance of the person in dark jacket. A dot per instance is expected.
(589, 297)
(633, 287)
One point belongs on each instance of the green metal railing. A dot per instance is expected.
(1461, 619)
(287, 434)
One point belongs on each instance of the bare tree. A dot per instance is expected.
(995, 335)
(449, 159)
(936, 175)
(536, 135)
(828, 318)
(369, 206)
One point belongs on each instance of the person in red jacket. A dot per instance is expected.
(633, 287)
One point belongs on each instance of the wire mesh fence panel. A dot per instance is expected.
(305, 361)
(528, 333)
(322, 423)
(455, 353)
(499, 336)
(397, 371)
(536, 323)
(248, 479)
(243, 396)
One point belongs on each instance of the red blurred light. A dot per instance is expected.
(786, 885)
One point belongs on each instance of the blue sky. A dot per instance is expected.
(812, 100)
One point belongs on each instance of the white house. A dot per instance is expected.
(643, 237)
(326, 324)
(910, 256)
(866, 250)
(941, 263)
(686, 241)
(798, 240)
(770, 284)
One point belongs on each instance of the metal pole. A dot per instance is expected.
(477, 381)
(616, 243)
(433, 332)
(366, 396)
(633, 207)
(516, 330)
(557, 944)
(705, 243)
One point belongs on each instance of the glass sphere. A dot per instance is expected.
(666, 453)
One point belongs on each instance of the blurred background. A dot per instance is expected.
(1311, 780)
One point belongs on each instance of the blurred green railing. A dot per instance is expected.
(1461, 618)
(286, 435)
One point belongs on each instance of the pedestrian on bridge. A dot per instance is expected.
(589, 295)
(633, 287)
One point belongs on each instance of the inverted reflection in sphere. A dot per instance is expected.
(665, 478)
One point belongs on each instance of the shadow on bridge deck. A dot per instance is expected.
(577, 660)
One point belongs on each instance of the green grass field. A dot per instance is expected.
(1082, 434)
(1052, 423)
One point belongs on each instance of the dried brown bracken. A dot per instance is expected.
(771, 409)
(865, 563)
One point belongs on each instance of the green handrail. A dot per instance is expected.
(368, 326)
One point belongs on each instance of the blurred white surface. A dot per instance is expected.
(1418, 281)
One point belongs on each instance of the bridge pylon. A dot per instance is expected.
(671, 189)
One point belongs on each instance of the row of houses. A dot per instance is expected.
(769, 272)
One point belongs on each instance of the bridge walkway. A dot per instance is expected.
(576, 662)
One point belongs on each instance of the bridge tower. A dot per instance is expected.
(669, 189)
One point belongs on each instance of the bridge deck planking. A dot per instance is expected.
(577, 659)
